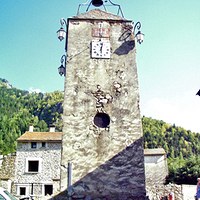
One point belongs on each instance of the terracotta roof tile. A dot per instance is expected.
(40, 136)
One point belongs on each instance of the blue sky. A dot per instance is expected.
(168, 60)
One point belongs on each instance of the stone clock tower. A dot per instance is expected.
(102, 146)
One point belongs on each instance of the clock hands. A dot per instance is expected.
(101, 47)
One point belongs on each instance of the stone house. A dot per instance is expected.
(37, 164)
(35, 169)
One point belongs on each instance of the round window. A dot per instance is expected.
(102, 120)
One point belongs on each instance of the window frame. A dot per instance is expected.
(39, 165)
(34, 145)
(23, 186)
(44, 144)
(20, 190)
(46, 184)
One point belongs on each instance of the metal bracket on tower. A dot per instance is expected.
(98, 3)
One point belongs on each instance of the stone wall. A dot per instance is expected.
(49, 171)
(161, 192)
(7, 171)
(106, 161)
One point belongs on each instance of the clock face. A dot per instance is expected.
(100, 49)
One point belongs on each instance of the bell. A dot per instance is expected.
(97, 3)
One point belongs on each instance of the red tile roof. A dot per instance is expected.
(40, 136)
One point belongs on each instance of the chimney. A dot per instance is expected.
(31, 127)
(51, 128)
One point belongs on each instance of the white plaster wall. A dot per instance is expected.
(156, 169)
(188, 191)
(154, 159)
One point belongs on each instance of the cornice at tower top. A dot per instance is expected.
(99, 14)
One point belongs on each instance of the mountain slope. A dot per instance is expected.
(19, 108)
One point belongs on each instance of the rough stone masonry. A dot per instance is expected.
(102, 133)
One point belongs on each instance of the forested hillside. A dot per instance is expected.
(19, 108)
(182, 148)
(176, 141)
